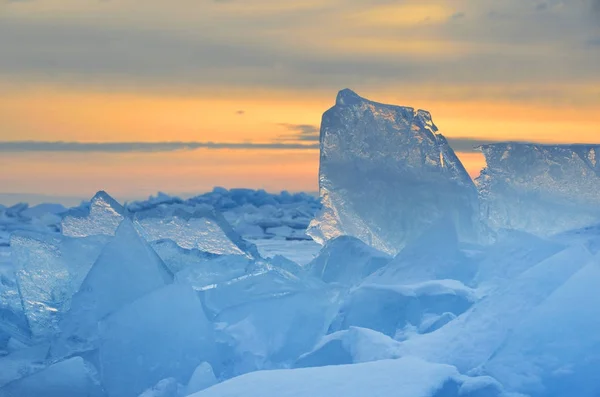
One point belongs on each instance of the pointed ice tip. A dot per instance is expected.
(102, 196)
(347, 97)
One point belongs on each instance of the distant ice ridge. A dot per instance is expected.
(386, 175)
(540, 189)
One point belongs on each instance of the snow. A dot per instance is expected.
(386, 175)
(391, 309)
(410, 376)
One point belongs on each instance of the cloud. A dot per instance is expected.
(142, 147)
(300, 132)
(461, 145)
(468, 145)
(458, 15)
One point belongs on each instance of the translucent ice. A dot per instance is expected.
(346, 260)
(275, 331)
(259, 282)
(51, 269)
(540, 189)
(202, 378)
(434, 255)
(126, 269)
(164, 334)
(386, 176)
(73, 378)
(102, 217)
(205, 229)
(165, 388)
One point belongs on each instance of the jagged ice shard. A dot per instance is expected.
(386, 176)
(540, 189)
(103, 217)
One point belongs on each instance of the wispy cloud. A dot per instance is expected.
(143, 147)
(304, 133)
(300, 132)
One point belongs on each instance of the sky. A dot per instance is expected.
(136, 97)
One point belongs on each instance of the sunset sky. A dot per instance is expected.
(253, 77)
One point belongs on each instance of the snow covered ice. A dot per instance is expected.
(386, 175)
(427, 284)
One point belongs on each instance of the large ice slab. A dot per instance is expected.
(406, 377)
(101, 218)
(386, 175)
(204, 229)
(126, 269)
(540, 189)
(276, 330)
(164, 334)
(51, 269)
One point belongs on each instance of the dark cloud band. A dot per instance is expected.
(143, 147)
(462, 145)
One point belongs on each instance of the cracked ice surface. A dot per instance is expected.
(540, 189)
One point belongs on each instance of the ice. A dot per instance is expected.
(178, 259)
(475, 336)
(51, 269)
(347, 260)
(202, 378)
(210, 273)
(126, 269)
(165, 388)
(351, 346)
(205, 229)
(301, 252)
(164, 334)
(513, 253)
(408, 377)
(260, 281)
(434, 255)
(70, 378)
(290, 266)
(22, 362)
(102, 217)
(390, 309)
(540, 189)
(555, 350)
(274, 332)
(386, 176)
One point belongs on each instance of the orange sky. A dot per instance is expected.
(239, 72)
